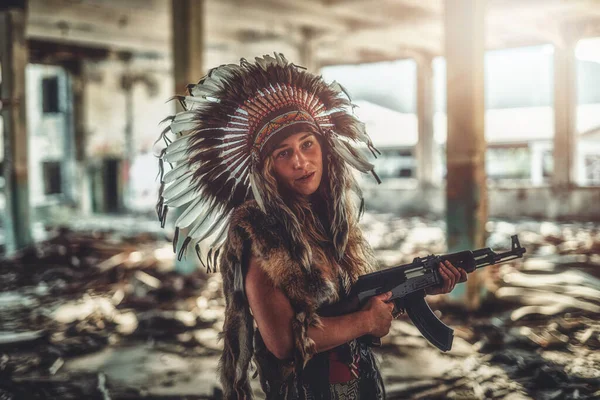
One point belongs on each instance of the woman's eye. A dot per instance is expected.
(282, 154)
(307, 144)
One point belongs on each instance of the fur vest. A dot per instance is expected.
(306, 288)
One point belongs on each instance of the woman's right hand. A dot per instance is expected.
(378, 314)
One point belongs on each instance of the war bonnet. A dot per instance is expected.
(218, 142)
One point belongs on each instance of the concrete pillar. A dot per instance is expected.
(565, 114)
(307, 51)
(188, 67)
(14, 56)
(127, 82)
(466, 194)
(187, 42)
(83, 185)
(537, 164)
(425, 150)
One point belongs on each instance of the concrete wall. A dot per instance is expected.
(106, 119)
(49, 134)
(105, 104)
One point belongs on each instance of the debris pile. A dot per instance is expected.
(80, 293)
(103, 314)
(536, 335)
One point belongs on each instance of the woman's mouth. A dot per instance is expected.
(306, 178)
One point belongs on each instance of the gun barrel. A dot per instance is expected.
(487, 256)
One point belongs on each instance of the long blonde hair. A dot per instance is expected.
(312, 214)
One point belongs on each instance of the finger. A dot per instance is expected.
(451, 277)
(454, 271)
(384, 296)
(452, 280)
(463, 275)
(446, 278)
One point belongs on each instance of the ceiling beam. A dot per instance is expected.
(340, 29)
(99, 25)
(279, 12)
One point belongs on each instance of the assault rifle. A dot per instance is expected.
(408, 283)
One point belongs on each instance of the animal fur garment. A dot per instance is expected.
(305, 286)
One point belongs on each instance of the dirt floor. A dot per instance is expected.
(97, 311)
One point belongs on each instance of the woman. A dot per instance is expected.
(261, 160)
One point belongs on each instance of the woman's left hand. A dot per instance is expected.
(451, 276)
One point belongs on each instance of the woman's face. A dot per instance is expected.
(298, 163)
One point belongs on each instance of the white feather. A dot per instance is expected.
(181, 126)
(239, 123)
(176, 173)
(184, 116)
(361, 132)
(177, 144)
(176, 156)
(269, 60)
(221, 235)
(360, 156)
(212, 84)
(359, 163)
(198, 91)
(340, 89)
(176, 188)
(280, 59)
(169, 118)
(183, 198)
(226, 153)
(261, 62)
(202, 224)
(223, 72)
(191, 213)
(256, 192)
(210, 228)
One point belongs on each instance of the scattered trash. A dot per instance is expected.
(92, 291)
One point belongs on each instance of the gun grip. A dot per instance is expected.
(434, 330)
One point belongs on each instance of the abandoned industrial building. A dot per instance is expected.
(485, 116)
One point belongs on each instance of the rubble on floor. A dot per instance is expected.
(536, 334)
(102, 314)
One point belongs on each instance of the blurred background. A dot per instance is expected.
(487, 116)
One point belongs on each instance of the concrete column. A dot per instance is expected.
(188, 67)
(83, 185)
(187, 42)
(466, 194)
(14, 56)
(425, 150)
(307, 51)
(565, 114)
(537, 170)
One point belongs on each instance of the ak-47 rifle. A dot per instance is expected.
(408, 283)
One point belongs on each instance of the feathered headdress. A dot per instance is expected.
(220, 138)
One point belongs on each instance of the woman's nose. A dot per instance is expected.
(299, 160)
